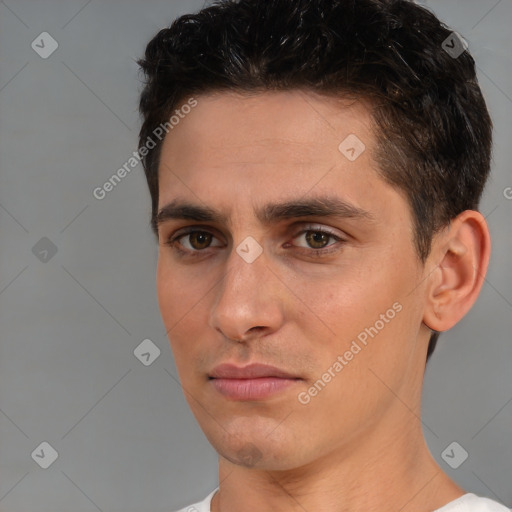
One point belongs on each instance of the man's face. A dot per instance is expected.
(353, 295)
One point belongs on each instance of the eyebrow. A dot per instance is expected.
(269, 213)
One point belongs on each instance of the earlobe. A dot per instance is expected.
(461, 256)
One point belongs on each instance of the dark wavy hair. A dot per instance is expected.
(434, 133)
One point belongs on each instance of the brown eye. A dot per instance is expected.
(317, 239)
(193, 242)
(199, 239)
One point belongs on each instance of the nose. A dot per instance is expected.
(249, 300)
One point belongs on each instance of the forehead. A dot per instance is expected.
(292, 135)
(296, 126)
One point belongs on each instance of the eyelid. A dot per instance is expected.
(303, 227)
(176, 235)
(320, 228)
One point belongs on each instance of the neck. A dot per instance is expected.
(389, 468)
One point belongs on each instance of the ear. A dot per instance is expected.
(460, 256)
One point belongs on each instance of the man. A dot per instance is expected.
(315, 199)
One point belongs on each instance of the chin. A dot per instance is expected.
(255, 448)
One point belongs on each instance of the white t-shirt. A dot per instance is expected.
(467, 503)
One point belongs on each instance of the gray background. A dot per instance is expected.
(125, 438)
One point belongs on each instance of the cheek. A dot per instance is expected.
(367, 355)
(368, 304)
(346, 301)
(166, 286)
(178, 291)
(180, 304)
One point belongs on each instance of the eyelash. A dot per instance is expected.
(173, 241)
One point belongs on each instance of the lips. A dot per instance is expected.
(252, 371)
(252, 382)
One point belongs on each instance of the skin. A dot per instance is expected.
(358, 444)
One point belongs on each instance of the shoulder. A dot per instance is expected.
(467, 503)
(200, 506)
(473, 503)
